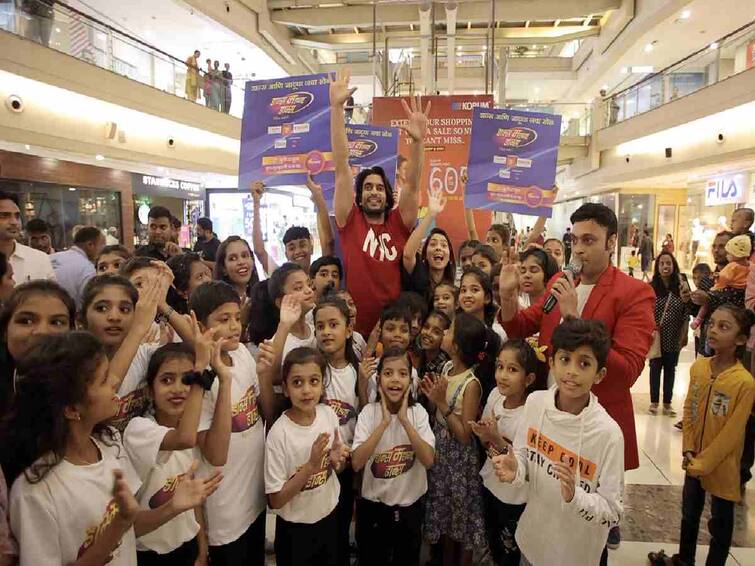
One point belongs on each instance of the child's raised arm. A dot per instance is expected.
(214, 442)
(290, 313)
(435, 205)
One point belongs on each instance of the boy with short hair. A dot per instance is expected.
(572, 454)
(326, 274)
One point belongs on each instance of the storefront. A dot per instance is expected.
(184, 199)
(66, 195)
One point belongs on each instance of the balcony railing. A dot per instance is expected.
(730, 55)
(63, 28)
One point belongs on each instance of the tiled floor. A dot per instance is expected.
(653, 494)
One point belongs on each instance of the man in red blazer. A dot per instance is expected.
(602, 292)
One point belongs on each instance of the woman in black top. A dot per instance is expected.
(672, 312)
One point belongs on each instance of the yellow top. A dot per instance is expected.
(457, 382)
(716, 411)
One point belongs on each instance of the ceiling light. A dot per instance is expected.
(713, 46)
(648, 47)
(685, 14)
(71, 189)
(640, 69)
(537, 89)
(99, 157)
(624, 70)
(27, 146)
(604, 87)
(57, 30)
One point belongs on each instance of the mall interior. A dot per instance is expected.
(656, 98)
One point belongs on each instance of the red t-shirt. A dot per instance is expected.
(372, 255)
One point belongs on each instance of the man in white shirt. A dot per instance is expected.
(28, 263)
(75, 266)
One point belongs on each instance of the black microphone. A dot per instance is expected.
(575, 268)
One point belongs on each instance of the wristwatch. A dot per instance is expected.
(204, 378)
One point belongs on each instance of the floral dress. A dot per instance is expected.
(454, 495)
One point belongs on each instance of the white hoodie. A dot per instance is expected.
(550, 530)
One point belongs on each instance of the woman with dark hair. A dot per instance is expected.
(536, 268)
(235, 265)
(422, 272)
(672, 311)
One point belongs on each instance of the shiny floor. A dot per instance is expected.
(652, 501)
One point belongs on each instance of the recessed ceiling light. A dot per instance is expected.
(27, 146)
(685, 14)
(99, 157)
(713, 46)
(71, 189)
(649, 47)
(604, 87)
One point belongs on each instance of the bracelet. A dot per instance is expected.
(204, 378)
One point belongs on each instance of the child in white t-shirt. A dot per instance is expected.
(360, 344)
(161, 445)
(232, 432)
(302, 452)
(72, 498)
(571, 454)
(334, 339)
(520, 370)
(393, 442)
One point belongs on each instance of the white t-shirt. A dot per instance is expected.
(288, 448)
(372, 386)
(509, 421)
(57, 519)
(392, 475)
(342, 397)
(360, 344)
(583, 295)
(498, 329)
(294, 342)
(241, 496)
(160, 472)
(133, 390)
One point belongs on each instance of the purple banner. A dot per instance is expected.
(512, 161)
(285, 131)
(369, 146)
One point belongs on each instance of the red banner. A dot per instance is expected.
(446, 153)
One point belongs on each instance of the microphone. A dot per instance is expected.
(574, 268)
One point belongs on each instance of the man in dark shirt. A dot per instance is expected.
(567, 246)
(207, 242)
(160, 230)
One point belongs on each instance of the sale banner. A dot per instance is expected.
(285, 130)
(512, 161)
(369, 146)
(446, 151)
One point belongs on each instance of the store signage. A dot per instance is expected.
(728, 189)
(165, 186)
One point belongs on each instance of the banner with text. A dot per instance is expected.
(285, 131)
(446, 151)
(512, 161)
(369, 146)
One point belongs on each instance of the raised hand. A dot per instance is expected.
(509, 280)
(368, 366)
(385, 411)
(290, 310)
(566, 476)
(338, 452)
(315, 189)
(257, 189)
(128, 506)
(403, 411)
(217, 363)
(151, 295)
(192, 491)
(340, 91)
(416, 128)
(265, 357)
(203, 343)
(435, 387)
(318, 451)
(166, 333)
(505, 466)
(436, 201)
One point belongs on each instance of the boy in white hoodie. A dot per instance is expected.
(571, 453)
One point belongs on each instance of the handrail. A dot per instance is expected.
(680, 61)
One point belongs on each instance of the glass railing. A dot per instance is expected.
(65, 29)
(730, 55)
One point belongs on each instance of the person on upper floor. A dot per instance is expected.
(601, 292)
(39, 235)
(373, 234)
(160, 230)
(207, 243)
(28, 264)
(297, 240)
(75, 266)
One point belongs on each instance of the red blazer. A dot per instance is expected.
(625, 305)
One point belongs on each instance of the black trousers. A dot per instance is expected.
(720, 526)
(184, 555)
(667, 362)
(748, 455)
(345, 511)
(301, 544)
(247, 550)
(389, 536)
(501, 520)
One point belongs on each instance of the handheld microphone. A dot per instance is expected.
(574, 268)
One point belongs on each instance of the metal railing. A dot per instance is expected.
(63, 28)
(719, 60)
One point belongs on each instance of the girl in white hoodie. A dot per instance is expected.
(571, 453)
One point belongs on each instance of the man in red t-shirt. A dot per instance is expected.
(372, 232)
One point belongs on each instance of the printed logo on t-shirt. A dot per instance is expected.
(165, 493)
(244, 414)
(379, 247)
(393, 462)
(720, 404)
(130, 406)
(94, 531)
(321, 476)
(557, 453)
(343, 411)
